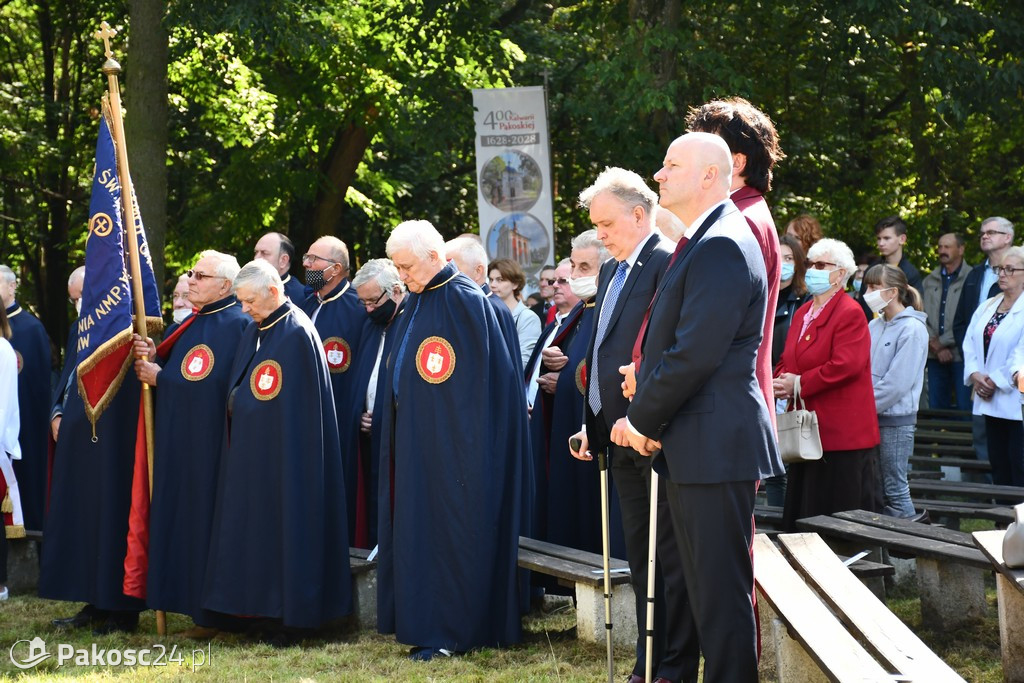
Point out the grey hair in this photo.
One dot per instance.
(1001, 223)
(626, 186)
(224, 265)
(76, 275)
(564, 262)
(419, 237)
(468, 249)
(838, 253)
(588, 238)
(338, 250)
(259, 276)
(7, 274)
(383, 271)
(1016, 253)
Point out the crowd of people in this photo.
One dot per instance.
(423, 408)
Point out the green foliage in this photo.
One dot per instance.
(347, 117)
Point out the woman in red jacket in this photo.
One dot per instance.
(829, 349)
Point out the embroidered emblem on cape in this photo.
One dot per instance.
(21, 361)
(265, 380)
(435, 360)
(197, 363)
(581, 377)
(339, 354)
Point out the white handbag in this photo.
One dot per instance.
(1013, 540)
(799, 439)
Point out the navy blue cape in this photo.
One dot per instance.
(454, 440)
(86, 524)
(189, 410)
(278, 547)
(32, 345)
(340, 323)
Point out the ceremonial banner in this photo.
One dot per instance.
(514, 177)
(105, 323)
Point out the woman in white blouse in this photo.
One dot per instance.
(10, 423)
(507, 279)
(989, 344)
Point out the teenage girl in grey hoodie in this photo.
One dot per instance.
(899, 349)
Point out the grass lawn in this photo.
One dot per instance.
(549, 652)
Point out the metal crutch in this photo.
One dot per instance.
(602, 465)
(652, 545)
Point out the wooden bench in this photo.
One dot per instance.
(985, 494)
(820, 615)
(950, 513)
(1010, 598)
(943, 441)
(950, 571)
(584, 573)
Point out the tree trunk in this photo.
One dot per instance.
(350, 143)
(146, 120)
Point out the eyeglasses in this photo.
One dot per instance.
(1009, 270)
(369, 304)
(992, 233)
(549, 280)
(200, 276)
(821, 265)
(559, 281)
(309, 258)
(179, 297)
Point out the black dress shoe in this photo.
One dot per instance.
(633, 678)
(86, 616)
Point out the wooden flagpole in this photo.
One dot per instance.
(111, 69)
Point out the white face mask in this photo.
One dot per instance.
(78, 306)
(179, 314)
(584, 287)
(875, 301)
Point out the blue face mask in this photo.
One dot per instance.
(817, 281)
(787, 272)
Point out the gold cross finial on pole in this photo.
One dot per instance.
(105, 34)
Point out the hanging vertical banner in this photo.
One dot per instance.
(514, 177)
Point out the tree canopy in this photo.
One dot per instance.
(327, 117)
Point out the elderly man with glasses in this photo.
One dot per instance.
(279, 546)
(189, 371)
(339, 317)
(382, 294)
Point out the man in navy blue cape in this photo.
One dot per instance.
(279, 546)
(383, 296)
(190, 376)
(339, 318)
(454, 439)
(276, 249)
(32, 347)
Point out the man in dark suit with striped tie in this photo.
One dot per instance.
(621, 208)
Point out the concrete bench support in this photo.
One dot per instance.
(590, 614)
(792, 663)
(951, 594)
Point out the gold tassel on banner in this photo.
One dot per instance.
(7, 507)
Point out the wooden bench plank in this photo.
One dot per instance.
(968, 490)
(830, 645)
(897, 542)
(950, 461)
(991, 543)
(882, 630)
(572, 554)
(566, 570)
(924, 434)
(938, 533)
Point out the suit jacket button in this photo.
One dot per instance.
(807, 338)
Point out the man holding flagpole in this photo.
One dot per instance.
(189, 373)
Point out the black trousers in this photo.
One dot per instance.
(676, 647)
(3, 555)
(714, 527)
(1005, 450)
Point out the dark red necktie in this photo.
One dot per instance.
(638, 344)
